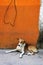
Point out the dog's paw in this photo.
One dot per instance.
(7, 51)
(29, 53)
(20, 56)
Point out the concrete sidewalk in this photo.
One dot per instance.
(13, 58)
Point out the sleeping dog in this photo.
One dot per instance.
(24, 48)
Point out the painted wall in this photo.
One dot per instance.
(20, 21)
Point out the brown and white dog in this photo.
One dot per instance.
(24, 48)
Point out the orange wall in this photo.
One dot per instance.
(26, 24)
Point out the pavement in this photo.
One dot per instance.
(13, 58)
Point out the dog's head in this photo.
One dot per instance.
(21, 42)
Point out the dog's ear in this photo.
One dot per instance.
(24, 42)
(17, 38)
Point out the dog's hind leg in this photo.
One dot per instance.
(8, 51)
(30, 53)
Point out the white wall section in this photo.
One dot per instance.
(41, 17)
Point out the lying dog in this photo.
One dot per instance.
(24, 48)
(20, 47)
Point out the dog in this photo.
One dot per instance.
(20, 47)
(24, 48)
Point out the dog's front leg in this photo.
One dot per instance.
(22, 52)
(8, 51)
(21, 55)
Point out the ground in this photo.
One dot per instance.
(13, 58)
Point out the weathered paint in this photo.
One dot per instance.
(26, 23)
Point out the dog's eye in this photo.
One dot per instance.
(21, 42)
(18, 45)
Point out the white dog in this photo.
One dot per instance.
(24, 48)
(20, 47)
